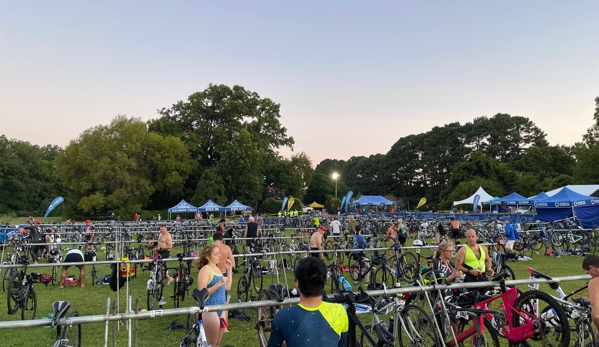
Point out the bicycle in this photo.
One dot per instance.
(579, 310)
(250, 280)
(20, 293)
(404, 266)
(182, 281)
(155, 284)
(266, 315)
(195, 333)
(67, 335)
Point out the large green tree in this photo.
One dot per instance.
(587, 153)
(232, 130)
(119, 166)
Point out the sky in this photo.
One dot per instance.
(352, 77)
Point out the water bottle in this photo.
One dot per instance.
(345, 284)
(391, 324)
(548, 316)
(575, 314)
(425, 268)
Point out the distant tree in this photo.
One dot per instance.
(119, 166)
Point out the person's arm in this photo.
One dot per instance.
(276, 337)
(168, 242)
(231, 258)
(229, 266)
(594, 298)
(459, 260)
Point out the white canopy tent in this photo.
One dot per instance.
(484, 198)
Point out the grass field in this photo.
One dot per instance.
(91, 300)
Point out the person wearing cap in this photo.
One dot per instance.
(90, 232)
(316, 242)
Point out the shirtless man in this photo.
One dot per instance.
(164, 246)
(590, 264)
(316, 242)
(454, 227)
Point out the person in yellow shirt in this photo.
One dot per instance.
(474, 261)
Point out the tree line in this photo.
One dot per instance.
(223, 143)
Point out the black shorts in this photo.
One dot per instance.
(72, 258)
(315, 254)
(336, 237)
(402, 239)
(164, 254)
(470, 279)
(455, 233)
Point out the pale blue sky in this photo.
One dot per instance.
(352, 77)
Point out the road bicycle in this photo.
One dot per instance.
(182, 281)
(195, 329)
(251, 280)
(529, 319)
(265, 315)
(20, 293)
(67, 335)
(155, 284)
(402, 266)
(578, 311)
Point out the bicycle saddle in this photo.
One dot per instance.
(59, 310)
(200, 296)
(538, 274)
(277, 292)
(584, 302)
(180, 256)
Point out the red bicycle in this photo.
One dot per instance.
(528, 319)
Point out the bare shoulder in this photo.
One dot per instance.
(594, 283)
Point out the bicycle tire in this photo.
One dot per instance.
(264, 318)
(176, 292)
(409, 266)
(159, 284)
(94, 274)
(183, 285)
(362, 341)
(243, 289)
(327, 247)
(29, 306)
(335, 273)
(354, 270)
(383, 275)
(490, 337)
(422, 329)
(14, 292)
(6, 278)
(72, 333)
(54, 274)
(556, 330)
(256, 277)
(584, 334)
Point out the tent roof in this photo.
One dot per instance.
(316, 205)
(565, 198)
(211, 206)
(540, 196)
(484, 197)
(373, 200)
(182, 206)
(584, 189)
(237, 206)
(512, 199)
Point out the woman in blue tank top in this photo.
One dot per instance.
(210, 277)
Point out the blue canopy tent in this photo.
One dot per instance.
(237, 206)
(513, 199)
(211, 206)
(373, 200)
(540, 196)
(182, 207)
(561, 205)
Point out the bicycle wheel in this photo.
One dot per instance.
(243, 289)
(14, 291)
(508, 270)
(176, 291)
(537, 246)
(6, 278)
(409, 266)
(150, 299)
(264, 318)
(327, 247)
(354, 270)
(488, 339)
(543, 309)
(383, 275)
(583, 335)
(72, 333)
(557, 240)
(362, 340)
(257, 279)
(418, 328)
(29, 306)
(183, 284)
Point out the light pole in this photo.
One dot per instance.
(335, 177)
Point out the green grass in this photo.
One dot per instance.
(91, 300)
